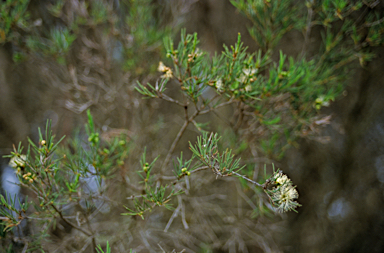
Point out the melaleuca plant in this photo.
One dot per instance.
(67, 181)
(205, 156)
(252, 82)
(296, 90)
(273, 98)
(275, 102)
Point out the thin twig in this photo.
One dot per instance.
(174, 215)
(86, 246)
(200, 168)
(87, 221)
(166, 178)
(25, 248)
(218, 106)
(179, 134)
(93, 233)
(146, 243)
(374, 23)
(175, 141)
(187, 186)
(70, 223)
(183, 212)
(193, 171)
(161, 248)
(244, 177)
(169, 99)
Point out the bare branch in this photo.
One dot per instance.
(244, 177)
(70, 223)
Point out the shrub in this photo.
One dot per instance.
(273, 104)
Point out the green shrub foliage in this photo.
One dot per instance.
(273, 99)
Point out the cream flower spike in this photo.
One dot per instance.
(283, 193)
(162, 67)
(17, 161)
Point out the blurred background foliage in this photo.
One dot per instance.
(60, 58)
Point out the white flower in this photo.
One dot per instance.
(162, 67)
(321, 101)
(219, 85)
(292, 193)
(166, 70)
(283, 194)
(250, 71)
(248, 88)
(247, 73)
(168, 74)
(242, 78)
(284, 198)
(17, 161)
(282, 179)
(198, 52)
